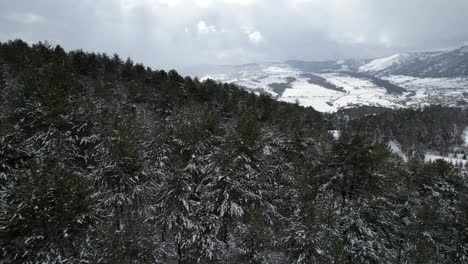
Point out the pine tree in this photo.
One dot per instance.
(48, 207)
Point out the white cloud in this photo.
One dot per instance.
(26, 18)
(171, 32)
(242, 2)
(240, 55)
(385, 40)
(255, 37)
(130, 4)
(210, 3)
(204, 3)
(349, 38)
(204, 28)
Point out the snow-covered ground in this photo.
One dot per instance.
(465, 134)
(410, 82)
(335, 133)
(356, 91)
(311, 95)
(395, 147)
(257, 79)
(383, 63)
(425, 91)
(454, 161)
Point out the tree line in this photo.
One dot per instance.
(106, 161)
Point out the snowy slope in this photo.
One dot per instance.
(446, 64)
(355, 91)
(395, 147)
(454, 161)
(465, 133)
(337, 90)
(398, 81)
(311, 95)
(359, 91)
(383, 63)
(425, 91)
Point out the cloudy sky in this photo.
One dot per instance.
(172, 33)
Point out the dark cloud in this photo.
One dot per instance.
(171, 33)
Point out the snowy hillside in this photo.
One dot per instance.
(291, 85)
(328, 91)
(465, 134)
(446, 64)
(398, 81)
(425, 91)
(383, 63)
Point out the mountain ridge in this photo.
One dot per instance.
(398, 81)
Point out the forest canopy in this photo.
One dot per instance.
(104, 160)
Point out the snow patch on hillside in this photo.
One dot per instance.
(335, 133)
(307, 94)
(356, 92)
(410, 82)
(463, 49)
(454, 161)
(383, 63)
(426, 91)
(295, 87)
(359, 92)
(395, 147)
(465, 136)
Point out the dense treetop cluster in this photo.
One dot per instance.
(434, 128)
(107, 161)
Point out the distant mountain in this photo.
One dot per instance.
(205, 69)
(452, 63)
(398, 81)
(324, 66)
(383, 64)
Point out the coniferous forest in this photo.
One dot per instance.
(103, 160)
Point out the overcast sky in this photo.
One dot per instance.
(172, 33)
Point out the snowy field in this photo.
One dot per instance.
(359, 92)
(356, 91)
(428, 83)
(424, 91)
(311, 95)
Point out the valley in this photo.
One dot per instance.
(334, 85)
